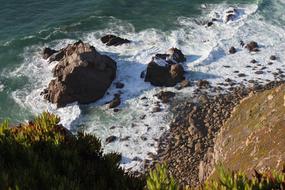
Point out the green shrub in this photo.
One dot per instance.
(239, 181)
(44, 155)
(159, 179)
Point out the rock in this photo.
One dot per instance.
(119, 85)
(253, 61)
(165, 96)
(184, 84)
(172, 56)
(111, 139)
(176, 55)
(56, 56)
(241, 75)
(203, 84)
(252, 46)
(259, 72)
(82, 75)
(273, 57)
(112, 40)
(168, 75)
(209, 24)
(270, 63)
(115, 102)
(47, 52)
(232, 50)
(156, 109)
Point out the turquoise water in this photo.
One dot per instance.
(27, 23)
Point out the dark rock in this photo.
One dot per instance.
(252, 46)
(115, 102)
(47, 52)
(209, 24)
(112, 40)
(270, 63)
(273, 57)
(259, 72)
(253, 61)
(165, 96)
(111, 139)
(82, 75)
(156, 109)
(241, 75)
(119, 85)
(176, 55)
(168, 75)
(58, 56)
(203, 84)
(232, 50)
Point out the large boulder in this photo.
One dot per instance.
(112, 40)
(82, 75)
(164, 75)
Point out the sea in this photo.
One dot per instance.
(153, 26)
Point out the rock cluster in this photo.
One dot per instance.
(82, 75)
(112, 40)
(165, 69)
(187, 148)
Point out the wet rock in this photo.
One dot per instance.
(82, 75)
(111, 139)
(167, 75)
(203, 84)
(252, 46)
(112, 40)
(209, 24)
(119, 85)
(47, 52)
(270, 63)
(115, 102)
(253, 61)
(259, 72)
(58, 56)
(156, 109)
(165, 96)
(241, 75)
(232, 50)
(176, 55)
(273, 57)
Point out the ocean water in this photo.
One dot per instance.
(153, 26)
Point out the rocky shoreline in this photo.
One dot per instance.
(187, 148)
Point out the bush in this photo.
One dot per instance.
(159, 179)
(44, 155)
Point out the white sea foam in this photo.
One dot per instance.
(206, 49)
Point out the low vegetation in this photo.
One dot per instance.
(42, 154)
(159, 179)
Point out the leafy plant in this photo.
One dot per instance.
(159, 179)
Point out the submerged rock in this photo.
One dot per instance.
(82, 75)
(112, 40)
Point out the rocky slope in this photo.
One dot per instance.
(253, 138)
(188, 148)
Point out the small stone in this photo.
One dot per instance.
(110, 139)
(241, 75)
(253, 61)
(232, 50)
(273, 57)
(119, 85)
(156, 109)
(259, 72)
